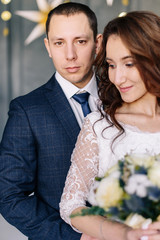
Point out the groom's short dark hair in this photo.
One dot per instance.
(72, 8)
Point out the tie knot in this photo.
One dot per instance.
(81, 98)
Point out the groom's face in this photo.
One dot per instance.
(72, 48)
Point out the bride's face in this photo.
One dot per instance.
(123, 72)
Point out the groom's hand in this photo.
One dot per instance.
(86, 237)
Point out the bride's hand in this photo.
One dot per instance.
(155, 226)
(86, 237)
(140, 234)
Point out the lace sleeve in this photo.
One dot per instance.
(82, 172)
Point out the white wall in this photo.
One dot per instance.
(8, 232)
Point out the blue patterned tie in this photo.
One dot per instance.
(82, 99)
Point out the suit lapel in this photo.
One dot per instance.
(62, 108)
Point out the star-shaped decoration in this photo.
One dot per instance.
(39, 17)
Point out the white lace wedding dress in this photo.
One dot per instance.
(93, 155)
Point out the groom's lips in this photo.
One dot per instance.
(72, 69)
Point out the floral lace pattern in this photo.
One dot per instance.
(93, 155)
(82, 172)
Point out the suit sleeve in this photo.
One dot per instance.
(18, 166)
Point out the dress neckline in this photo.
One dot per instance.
(136, 129)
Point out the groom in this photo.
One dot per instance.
(43, 126)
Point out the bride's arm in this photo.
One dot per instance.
(104, 229)
(86, 237)
(84, 168)
(81, 175)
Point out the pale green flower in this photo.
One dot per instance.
(154, 174)
(144, 160)
(109, 193)
(114, 168)
(137, 221)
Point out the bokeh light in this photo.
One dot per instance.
(125, 2)
(5, 32)
(122, 14)
(5, 1)
(6, 15)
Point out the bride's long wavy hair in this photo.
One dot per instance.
(140, 32)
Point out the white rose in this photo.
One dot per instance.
(140, 159)
(109, 192)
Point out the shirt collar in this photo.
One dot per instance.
(70, 89)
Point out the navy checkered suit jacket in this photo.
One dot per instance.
(35, 152)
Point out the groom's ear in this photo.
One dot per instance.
(46, 43)
(98, 42)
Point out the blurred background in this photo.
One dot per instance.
(24, 62)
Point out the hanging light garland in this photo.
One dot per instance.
(6, 16)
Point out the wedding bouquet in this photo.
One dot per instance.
(129, 191)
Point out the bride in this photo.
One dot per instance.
(128, 121)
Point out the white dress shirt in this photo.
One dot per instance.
(70, 89)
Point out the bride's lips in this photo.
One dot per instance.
(125, 89)
(72, 69)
